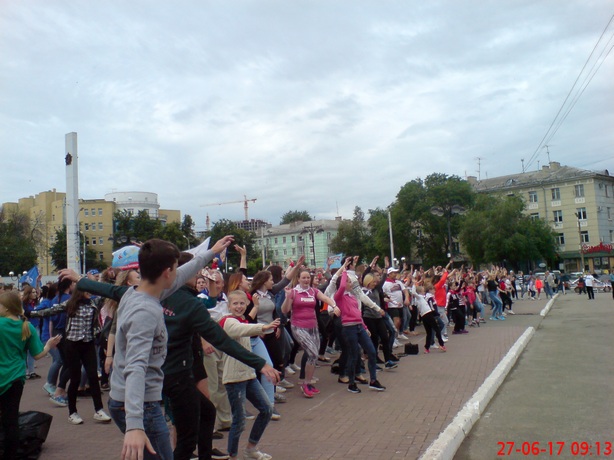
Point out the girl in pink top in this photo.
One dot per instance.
(355, 333)
(301, 300)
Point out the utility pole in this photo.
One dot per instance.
(580, 237)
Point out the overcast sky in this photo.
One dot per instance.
(308, 105)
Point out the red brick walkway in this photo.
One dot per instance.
(424, 394)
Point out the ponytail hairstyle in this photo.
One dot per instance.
(11, 301)
(259, 280)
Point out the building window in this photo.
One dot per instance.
(532, 197)
(534, 216)
(584, 236)
(275, 241)
(86, 226)
(556, 194)
(606, 190)
(293, 251)
(611, 236)
(579, 191)
(93, 211)
(101, 256)
(86, 212)
(100, 241)
(558, 216)
(283, 240)
(560, 239)
(130, 211)
(276, 252)
(87, 241)
(285, 252)
(99, 225)
(100, 211)
(93, 242)
(581, 213)
(293, 238)
(609, 213)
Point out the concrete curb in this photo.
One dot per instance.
(548, 306)
(449, 440)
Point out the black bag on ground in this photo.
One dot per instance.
(411, 349)
(33, 430)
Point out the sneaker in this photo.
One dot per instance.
(313, 389)
(276, 415)
(391, 365)
(394, 358)
(396, 344)
(49, 388)
(105, 387)
(249, 416)
(442, 348)
(279, 389)
(426, 351)
(343, 380)
(331, 351)
(75, 419)
(59, 400)
(294, 367)
(217, 454)
(375, 385)
(445, 338)
(493, 318)
(464, 331)
(511, 312)
(306, 391)
(403, 337)
(434, 346)
(279, 398)
(285, 384)
(378, 369)
(218, 435)
(255, 453)
(290, 371)
(501, 318)
(34, 376)
(101, 416)
(352, 388)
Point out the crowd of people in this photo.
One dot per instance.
(203, 342)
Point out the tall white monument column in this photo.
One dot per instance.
(71, 210)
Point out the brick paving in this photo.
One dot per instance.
(423, 396)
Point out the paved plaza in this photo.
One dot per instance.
(424, 395)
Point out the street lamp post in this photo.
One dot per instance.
(311, 229)
(580, 238)
(448, 211)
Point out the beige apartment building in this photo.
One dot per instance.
(578, 204)
(46, 211)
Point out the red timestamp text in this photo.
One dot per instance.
(555, 448)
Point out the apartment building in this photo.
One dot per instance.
(577, 203)
(297, 238)
(46, 211)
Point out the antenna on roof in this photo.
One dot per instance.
(547, 151)
(522, 161)
(479, 168)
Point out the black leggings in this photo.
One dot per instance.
(81, 354)
(430, 325)
(379, 333)
(9, 411)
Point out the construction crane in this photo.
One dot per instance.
(245, 202)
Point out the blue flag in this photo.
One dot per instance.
(336, 259)
(30, 277)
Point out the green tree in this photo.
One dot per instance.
(242, 237)
(414, 226)
(353, 237)
(187, 228)
(16, 243)
(59, 252)
(496, 231)
(295, 216)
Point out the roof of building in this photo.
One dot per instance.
(552, 173)
(298, 227)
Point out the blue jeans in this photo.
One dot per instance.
(497, 305)
(238, 392)
(356, 336)
(54, 369)
(259, 348)
(154, 424)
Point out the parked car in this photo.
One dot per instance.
(598, 285)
